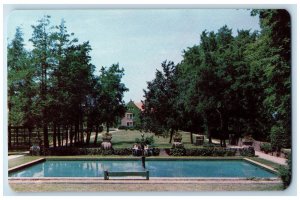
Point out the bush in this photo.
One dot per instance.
(106, 152)
(177, 151)
(122, 127)
(155, 151)
(285, 172)
(247, 151)
(210, 152)
(132, 128)
(148, 140)
(266, 147)
(123, 151)
(278, 137)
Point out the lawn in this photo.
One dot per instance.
(126, 139)
(21, 160)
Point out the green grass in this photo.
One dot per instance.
(21, 160)
(126, 139)
(265, 162)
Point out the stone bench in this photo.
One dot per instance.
(108, 174)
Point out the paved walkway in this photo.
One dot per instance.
(163, 153)
(18, 155)
(279, 160)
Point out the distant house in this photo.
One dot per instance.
(132, 115)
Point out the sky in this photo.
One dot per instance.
(138, 39)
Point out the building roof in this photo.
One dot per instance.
(139, 105)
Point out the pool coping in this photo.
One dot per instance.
(268, 168)
(22, 166)
(156, 180)
(168, 179)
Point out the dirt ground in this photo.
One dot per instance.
(145, 186)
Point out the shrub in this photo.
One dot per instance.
(155, 151)
(278, 137)
(132, 128)
(122, 127)
(123, 151)
(247, 151)
(210, 152)
(219, 152)
(107, 152)
(230, 152)
(177, 151)
(285, 172)
(266, 147)
(148, 140)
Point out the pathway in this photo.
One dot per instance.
(18, 155)
(278, 160)
(163, 153)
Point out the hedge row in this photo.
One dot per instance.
(69, 151)
(249, 151)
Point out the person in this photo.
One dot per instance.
(135, 150)
(146, 150)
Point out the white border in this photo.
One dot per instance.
(163, 4)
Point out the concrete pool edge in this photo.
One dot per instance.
(268, 168)
(28, 164)
(80, 180)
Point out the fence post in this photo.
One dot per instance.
(9, 136)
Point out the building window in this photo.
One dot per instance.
(129, 124)
(129, 116)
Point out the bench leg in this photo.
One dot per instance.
(147, 175)
(105, 175)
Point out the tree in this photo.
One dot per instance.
(43, 61)
(111, 94)
(160, 112)
(274, 64)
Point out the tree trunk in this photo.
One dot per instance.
(81, 132)
(76, 133)
(71, 135)
(24, 135)
(107, 127)
(58, 135)
(54, 135)
(209, 133)
(30, 135)
(191, 135)
(96, 134)
(88, 135)
(67, 135)
(45, 132)
(171, 135)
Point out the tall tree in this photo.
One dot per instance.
(112, 92)
(21, 88)
(43, 60)
(160, 105)
(274, 63)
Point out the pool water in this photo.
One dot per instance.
(157, 168)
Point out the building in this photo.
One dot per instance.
(132, 115)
